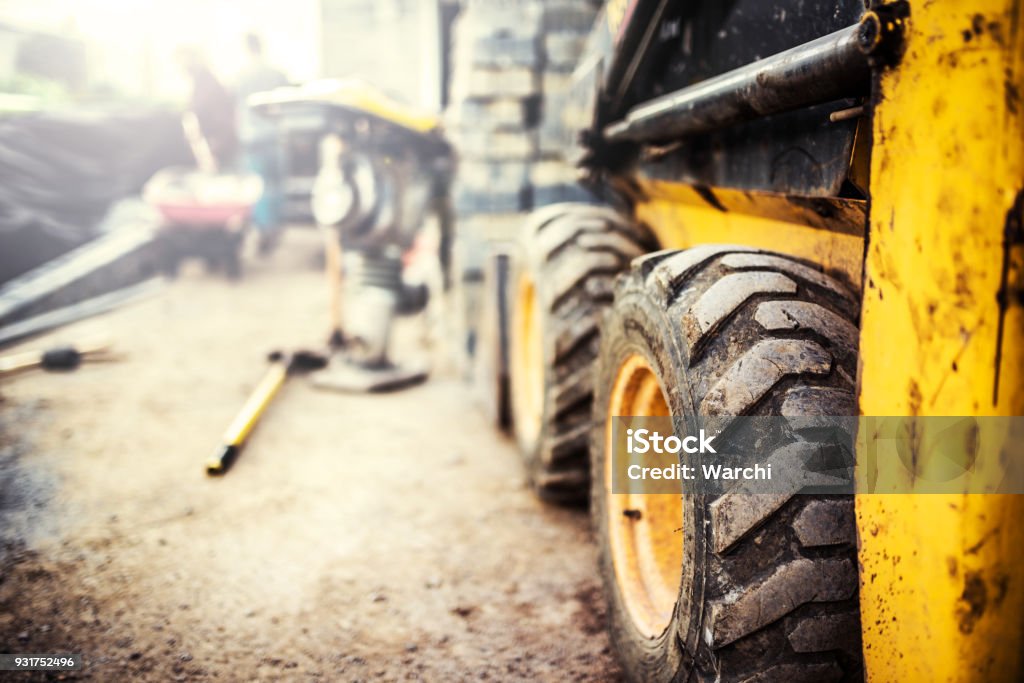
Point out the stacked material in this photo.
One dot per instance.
(495, 98)
(565, 25)
(512, 62)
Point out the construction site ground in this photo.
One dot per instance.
(359, 537)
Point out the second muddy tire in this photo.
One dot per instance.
(732, 587)
(562, 283)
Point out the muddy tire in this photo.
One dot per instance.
(730, 587)
(562, 283)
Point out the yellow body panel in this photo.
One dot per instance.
(355, 95)
(941, 580)
(682, 217)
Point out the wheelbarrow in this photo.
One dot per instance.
(205, 215)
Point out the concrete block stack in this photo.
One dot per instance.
(512, 62)
(495, 99)
(565, 25)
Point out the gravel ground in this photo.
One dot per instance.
(386, 537)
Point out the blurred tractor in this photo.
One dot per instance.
(382, 167)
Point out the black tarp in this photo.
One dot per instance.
(60, 172)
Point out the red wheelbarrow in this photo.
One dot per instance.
(205, 215)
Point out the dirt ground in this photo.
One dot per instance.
(386, 537)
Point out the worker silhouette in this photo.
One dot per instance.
(213, 109)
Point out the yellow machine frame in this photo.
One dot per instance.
(356, 95)
(938, 253)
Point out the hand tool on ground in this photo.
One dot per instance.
(55, 358)
(282, 366)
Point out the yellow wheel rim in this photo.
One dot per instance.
(527, 362)
(644, 533)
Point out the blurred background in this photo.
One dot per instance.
(91, 93)
(160, 225)
(94, 89)
(120, 48)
